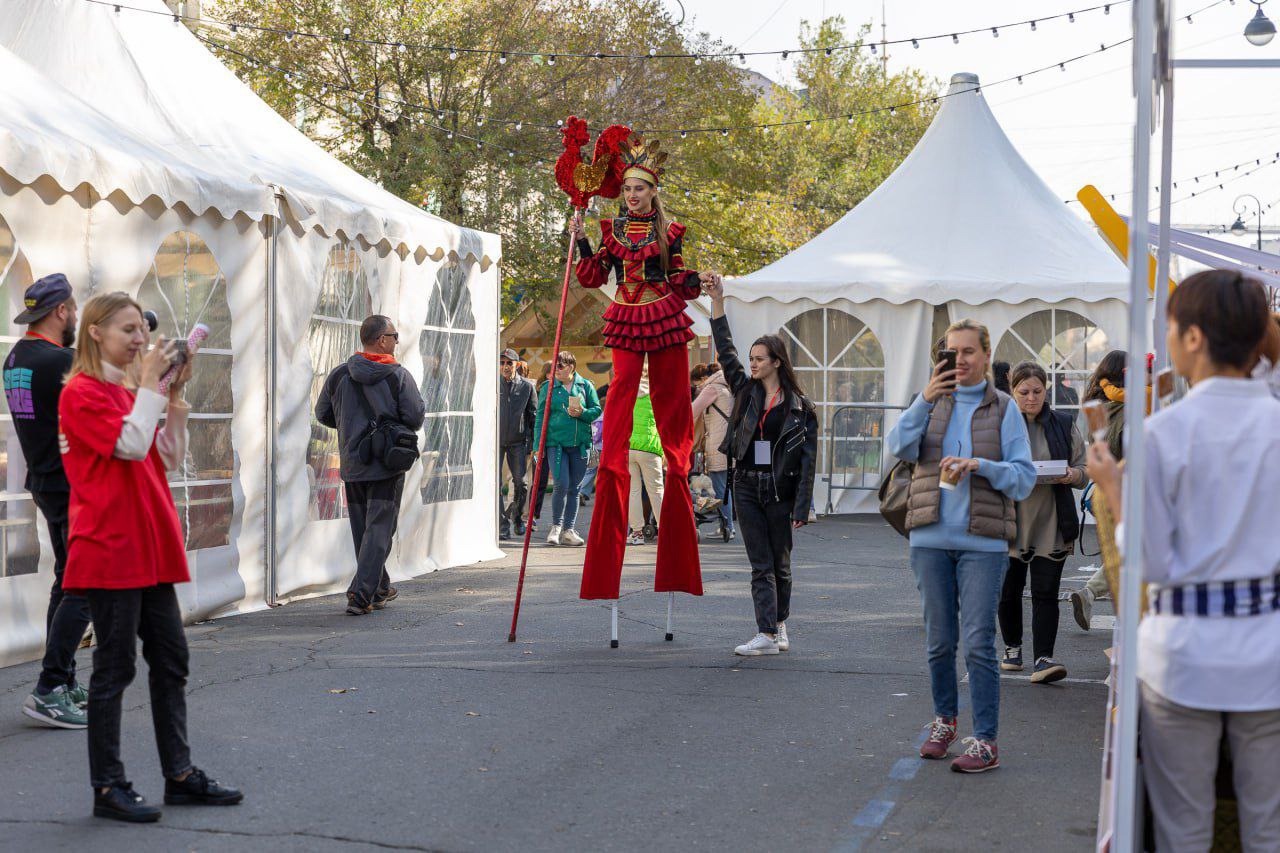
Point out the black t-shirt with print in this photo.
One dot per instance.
(33, 377)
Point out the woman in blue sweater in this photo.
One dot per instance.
(973, 464)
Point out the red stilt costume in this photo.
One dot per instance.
(646, 320)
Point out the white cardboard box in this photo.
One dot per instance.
(1050, 469)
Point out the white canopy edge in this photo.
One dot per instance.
(161, 116)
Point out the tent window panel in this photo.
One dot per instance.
(184, 287)
(209, 389)
(19, 540)
(333, 336)
(854, 386)
(842, 329)
(1066, 344)
(447, 346)
(806, 338)
(446, 465)
(209, 453)
(204, 511)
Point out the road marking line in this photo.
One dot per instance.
(904, 770)
(873, 814)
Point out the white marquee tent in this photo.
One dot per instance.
(131, 159)
(963, 228)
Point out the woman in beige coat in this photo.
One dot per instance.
(713, 405)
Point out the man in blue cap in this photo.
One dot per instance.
(33, 375)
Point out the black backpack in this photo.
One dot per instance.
(386, 439)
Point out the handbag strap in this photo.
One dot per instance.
(366, 401)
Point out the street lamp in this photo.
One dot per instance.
(1260, 30)
(1238, 227)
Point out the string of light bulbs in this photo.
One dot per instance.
(550, 56)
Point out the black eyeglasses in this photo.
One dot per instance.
(395, 335)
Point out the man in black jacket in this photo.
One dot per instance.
(517, 410)
(33, 375)
(370, 383)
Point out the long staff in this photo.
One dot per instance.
(542, 439)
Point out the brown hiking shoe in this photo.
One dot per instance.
(942, 732)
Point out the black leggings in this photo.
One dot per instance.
(1046, 576)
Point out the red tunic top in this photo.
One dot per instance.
(124, 526)
(647, 313)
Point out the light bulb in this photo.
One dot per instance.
(995, 32)
(915, 43)
(955, 38)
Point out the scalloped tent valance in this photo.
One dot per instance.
(964, 218)
(135, 104)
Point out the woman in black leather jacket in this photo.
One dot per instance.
(772, 444)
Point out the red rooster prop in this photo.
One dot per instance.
(581, 181)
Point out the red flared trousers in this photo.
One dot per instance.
(678, 569)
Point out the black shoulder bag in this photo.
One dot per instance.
(386, 439)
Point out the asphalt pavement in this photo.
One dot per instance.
(421, 728)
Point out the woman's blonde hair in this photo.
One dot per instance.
(984, 339)
(96, 312)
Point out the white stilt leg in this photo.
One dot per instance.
(613, 640)
(671, 601)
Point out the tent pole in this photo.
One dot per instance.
(542, 446)
(1128, 832)
(270, 546)
(671, 603)
(1163, 284)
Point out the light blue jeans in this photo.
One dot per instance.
(961, 590)
(720, 485)
(568, 466)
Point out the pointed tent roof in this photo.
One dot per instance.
(964, 217)
(155, 80)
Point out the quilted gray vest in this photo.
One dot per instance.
(991, 514)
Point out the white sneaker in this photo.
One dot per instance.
(1082, 607)
(553, 537)
(760, 644)
(784, 642)
(571, 537)
(635, 537)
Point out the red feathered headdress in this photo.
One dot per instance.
(603, 175)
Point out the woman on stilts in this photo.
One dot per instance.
(647, 320)
(772, 443)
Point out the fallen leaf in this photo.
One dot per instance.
(527, 652)
(823, 597)
(483, 769)
(458, 624)
(472, 714)
(344, 690)
(371, 711)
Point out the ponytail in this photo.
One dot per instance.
(660, 227)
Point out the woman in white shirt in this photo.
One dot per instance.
(1209, 645)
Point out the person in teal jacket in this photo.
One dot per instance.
(574, 405)
(644, 462)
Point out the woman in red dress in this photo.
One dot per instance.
(646, 320)
(125, 549)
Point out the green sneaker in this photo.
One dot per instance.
(80, 695)
(56, 709)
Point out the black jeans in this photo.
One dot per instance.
(1046, 576)
(374, 509)
(68, 615)
(540, 492)
(120, 617)
(517, 457)
(765, 524)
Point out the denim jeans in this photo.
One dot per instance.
(569, 466)
(961, 590)
(720, 485)
(120, 617)
(68, 615)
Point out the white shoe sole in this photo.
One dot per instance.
(755, 652)
(51, 723)
(1048, 676)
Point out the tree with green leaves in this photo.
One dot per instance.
(397, 89)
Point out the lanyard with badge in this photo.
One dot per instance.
(763, 449)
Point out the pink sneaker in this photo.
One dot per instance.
(942, 732)
(979, 756)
